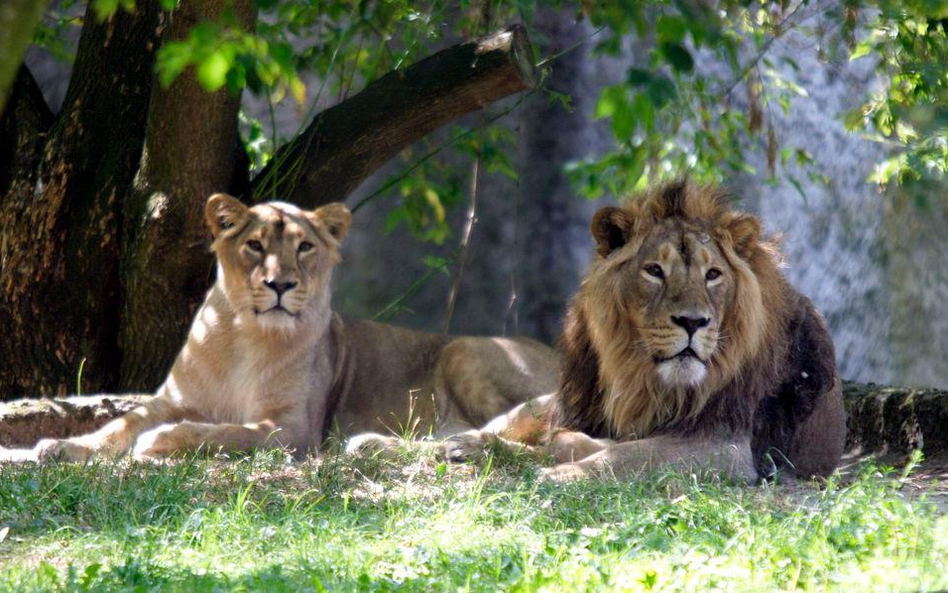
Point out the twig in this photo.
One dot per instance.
(465, 242)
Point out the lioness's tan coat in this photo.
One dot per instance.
(267, 362)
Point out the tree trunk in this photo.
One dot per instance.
(556, 223)
(189, 154)
(18, 18)
(60, 250)
(23, 126)
(348, 142)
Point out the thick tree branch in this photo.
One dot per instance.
(348, 142)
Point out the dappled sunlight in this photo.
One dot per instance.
(262, 521)
(513, 356)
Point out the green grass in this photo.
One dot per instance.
(262, 522)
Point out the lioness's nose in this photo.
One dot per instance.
(691, 324)
(280, 287)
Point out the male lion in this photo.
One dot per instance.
(685, 346)
(267, 362)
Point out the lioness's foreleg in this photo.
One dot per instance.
(186, 436)
(621, 460)
(116, 437)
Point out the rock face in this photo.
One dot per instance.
(873, 263)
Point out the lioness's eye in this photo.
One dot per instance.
(305, 246)
(712, 274)
(255, 246)
(654, 270)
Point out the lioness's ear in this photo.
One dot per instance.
(611, 227)
(745, 231)
(335, 217)
(223, 212)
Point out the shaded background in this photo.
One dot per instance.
(875, 264)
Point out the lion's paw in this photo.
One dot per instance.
(564, 472)
(62, 449)
(465, 446)
(371, 443)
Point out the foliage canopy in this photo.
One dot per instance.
(697, 93)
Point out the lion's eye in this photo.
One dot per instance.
(654, 270)
(712, 274)
(305, 246)
(255, 246)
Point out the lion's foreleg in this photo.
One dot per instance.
(116, 437)
(567, 445)
(731, 457)
(520, 429)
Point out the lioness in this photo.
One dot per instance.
(685, 346)
(267, 362)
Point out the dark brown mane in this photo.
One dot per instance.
(775, 374)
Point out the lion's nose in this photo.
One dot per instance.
(280, 287)
(691, 324)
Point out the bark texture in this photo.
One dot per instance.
(555, 223)
(190, 147)
(23, 127)
(346, 143)
(61, 235)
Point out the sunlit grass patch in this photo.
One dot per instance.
(266, 522)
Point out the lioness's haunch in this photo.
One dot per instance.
(685, 345)
(267, 362)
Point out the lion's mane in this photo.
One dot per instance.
(608, 386)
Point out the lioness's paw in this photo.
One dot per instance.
(465, 446)
(159, 443)
(371, 443)
(62, 449)
(564, 472)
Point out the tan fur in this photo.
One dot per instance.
(626, 339)
(267, 362)
(686, 343)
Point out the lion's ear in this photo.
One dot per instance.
(611, 227)
(223, 212)
(335, 217)
(745, 232)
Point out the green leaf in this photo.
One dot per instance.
(670, 28)
(610, 99)
(638, 76)
(104, 9)
(212, 71)
(661, 91)
(679, 57)
(862, 49)
(623, 121)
